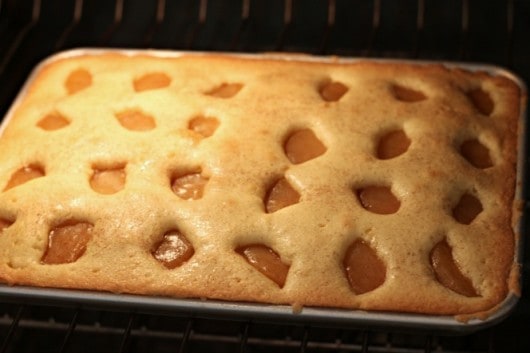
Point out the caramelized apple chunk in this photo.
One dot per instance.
(4, 223)
(78, 80)
(25, 174)
(447, 272)
(393, 144)
(467, 209)
(266, 261)
(150, 81)
(189, 186)
(378, 199)
(406, 94)
(481, 101)
(303, 145)
(281, 195)
(53, 121)
(204, 126)
(67, 242)
(332, 91)
(225, 90)
(173, 250)
(108, 180)
(135, 120)
(476, 153)
(364, 269)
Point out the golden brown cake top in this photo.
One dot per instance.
(373, 185)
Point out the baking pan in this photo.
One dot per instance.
(306, 315)
(255, 312)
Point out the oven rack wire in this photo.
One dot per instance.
(495, 32)
(80, 330)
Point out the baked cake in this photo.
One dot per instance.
(365, 185)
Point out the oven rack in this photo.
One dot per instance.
(494, 32)
(39, 328)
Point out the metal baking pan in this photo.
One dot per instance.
(283, 313)
(255, 312)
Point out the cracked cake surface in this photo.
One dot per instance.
(370, 185)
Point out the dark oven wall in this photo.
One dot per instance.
(494, 32)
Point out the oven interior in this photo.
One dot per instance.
(494, 32)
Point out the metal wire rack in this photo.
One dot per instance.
(455, 30)
(38, 329)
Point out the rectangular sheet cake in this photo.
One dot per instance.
(349, 184)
